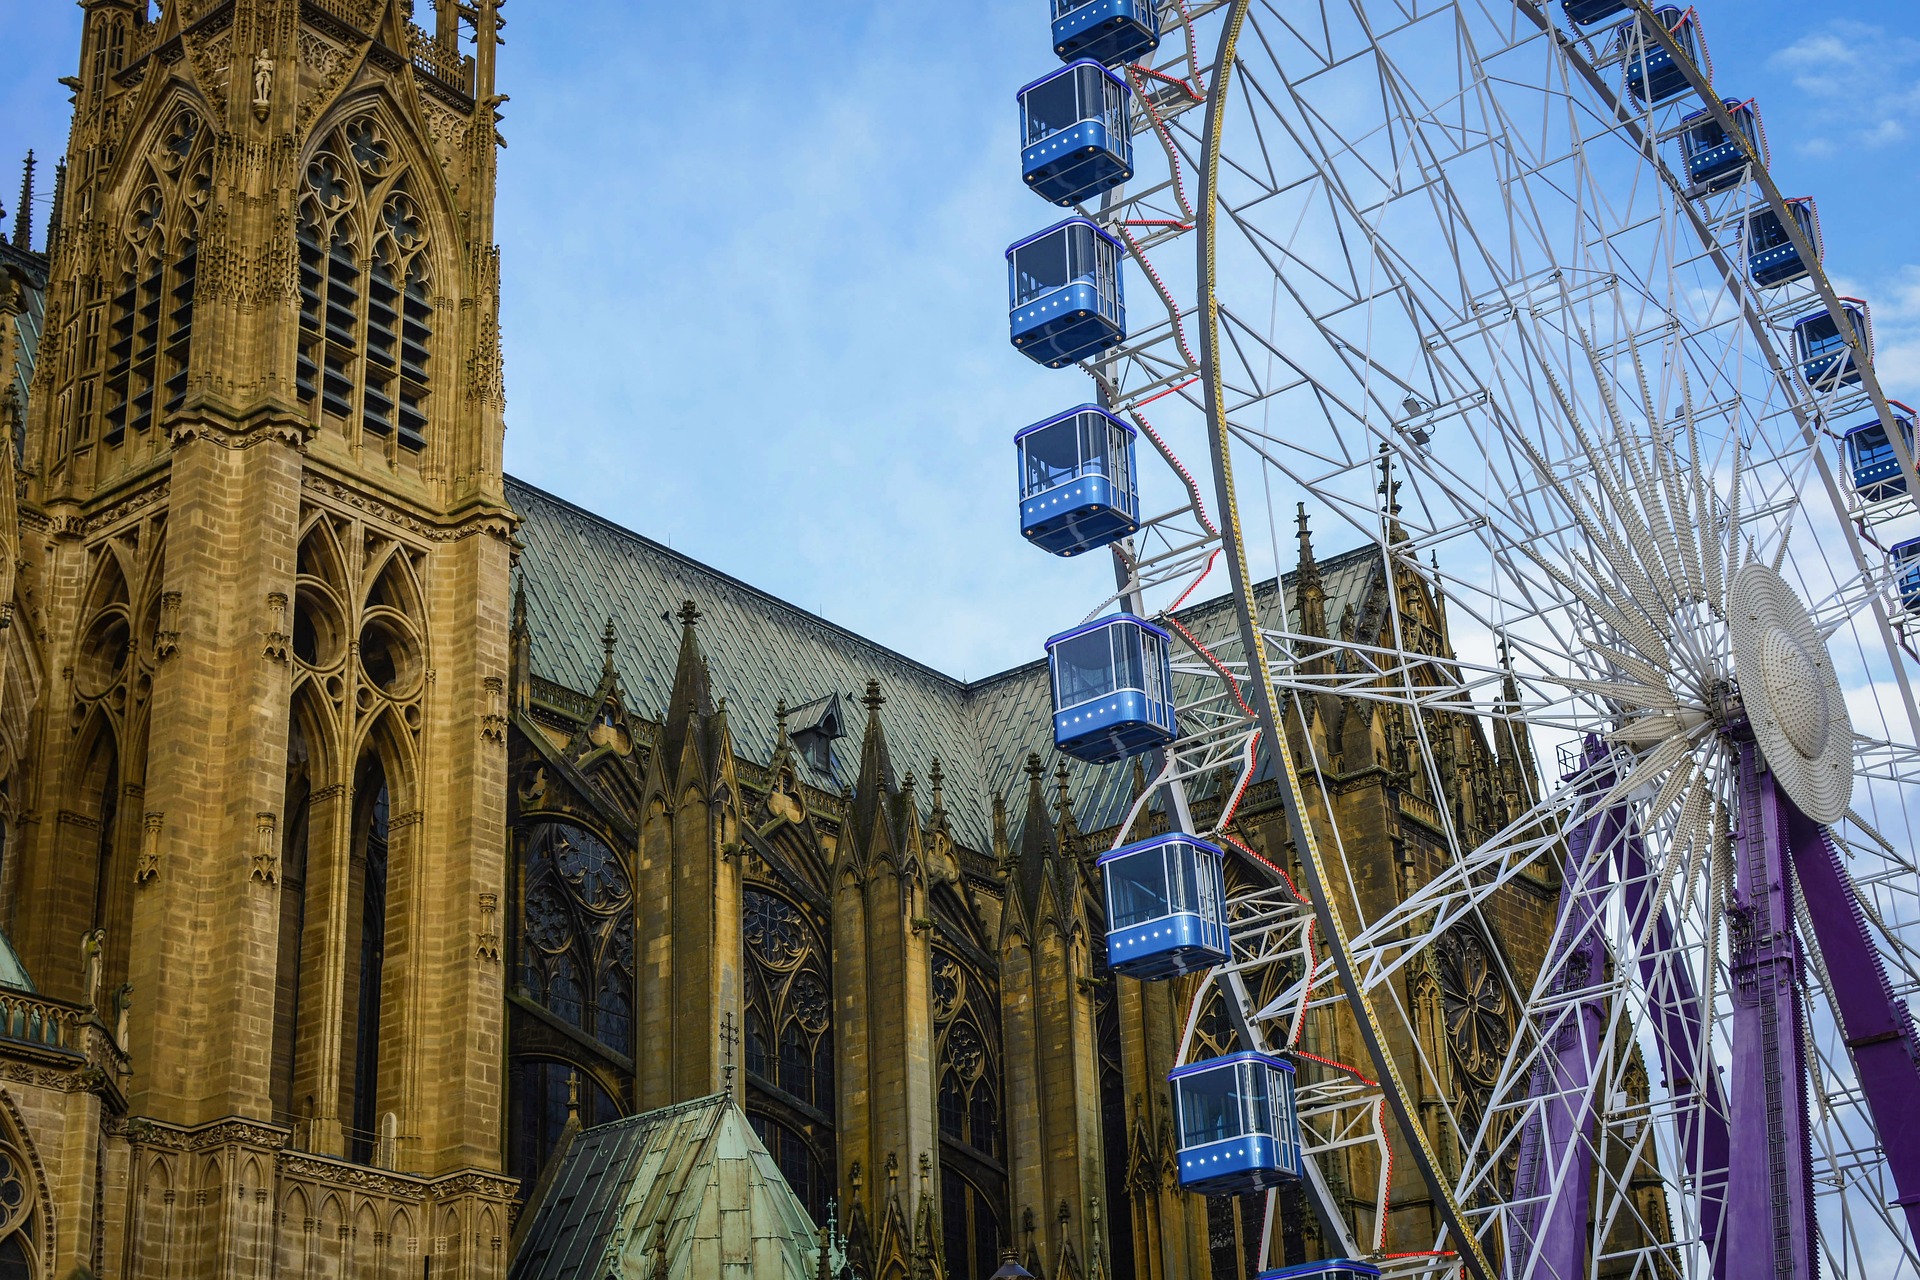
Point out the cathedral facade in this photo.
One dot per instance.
(373, 822)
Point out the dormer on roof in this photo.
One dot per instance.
(814, 727)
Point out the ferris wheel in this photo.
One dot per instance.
(1503, 294)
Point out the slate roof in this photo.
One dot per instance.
(695, 1167)
(578, 569)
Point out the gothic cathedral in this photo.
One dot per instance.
(374, 825)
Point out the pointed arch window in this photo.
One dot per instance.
(366, 310)
(965, 1015)
(966, 1021)
(371, 802)
(789, 1001)
(539, 1096)
(971, 1226)
(576, 952)
(22, 1249)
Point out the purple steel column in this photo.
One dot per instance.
(1677, 1017)
(1770, 1194)
(1878, 1028)
(1551, 1239)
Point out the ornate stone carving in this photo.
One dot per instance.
(278, 641)
(266, 848)
(148, 867)
(498, 526)
(493, 719)
(166, 637)
(487, 946)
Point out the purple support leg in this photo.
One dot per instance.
(1770, 1218)
(1678, 1019)
(1879, 1031)
(1551, 1229)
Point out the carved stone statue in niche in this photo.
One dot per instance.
(92, 944)
(262, 82)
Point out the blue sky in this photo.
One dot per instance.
(755, 299)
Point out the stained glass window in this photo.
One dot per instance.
(789, 1041)
(576, 952)
(538, 1100)
(964, 1014)
(790, 1004)
(969, 1225)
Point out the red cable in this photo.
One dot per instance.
(1197, 581)
(1341, 1067)
(1186, 476)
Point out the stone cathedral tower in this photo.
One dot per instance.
(265, 559)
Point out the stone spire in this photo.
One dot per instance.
(1520, 776)
(691, 700)
(1309, 594)
(59, 200)
(520, 651)
(936, 779)
(875, 784)
(23, 213)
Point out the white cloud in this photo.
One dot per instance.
(1862, 86)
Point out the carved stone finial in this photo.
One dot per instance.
(689, 613)
(874, 699)
(1033, 765)
(607, 639)
(573, 1096)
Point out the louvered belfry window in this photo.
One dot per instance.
(150, 307)
(366, 310)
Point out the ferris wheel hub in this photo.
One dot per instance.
(1795, 692)
(1792, 693)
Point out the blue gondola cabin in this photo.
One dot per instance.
(1588, 12)
(1906, 564)
(1331, 1269)
(1772, 259)
(1073, 132)
(1166, 906)
(1715, 159)
(1238, 1127)
(1077, 490)
(1108, 31)
(1654, 75)
(1065, 293)
(1112, 689)
(1871, 461)
(1825, 359)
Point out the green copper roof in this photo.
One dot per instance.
(578, 569)
(692, 1176)
(12, 973)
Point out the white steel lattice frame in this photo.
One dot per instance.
(1576, 329)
